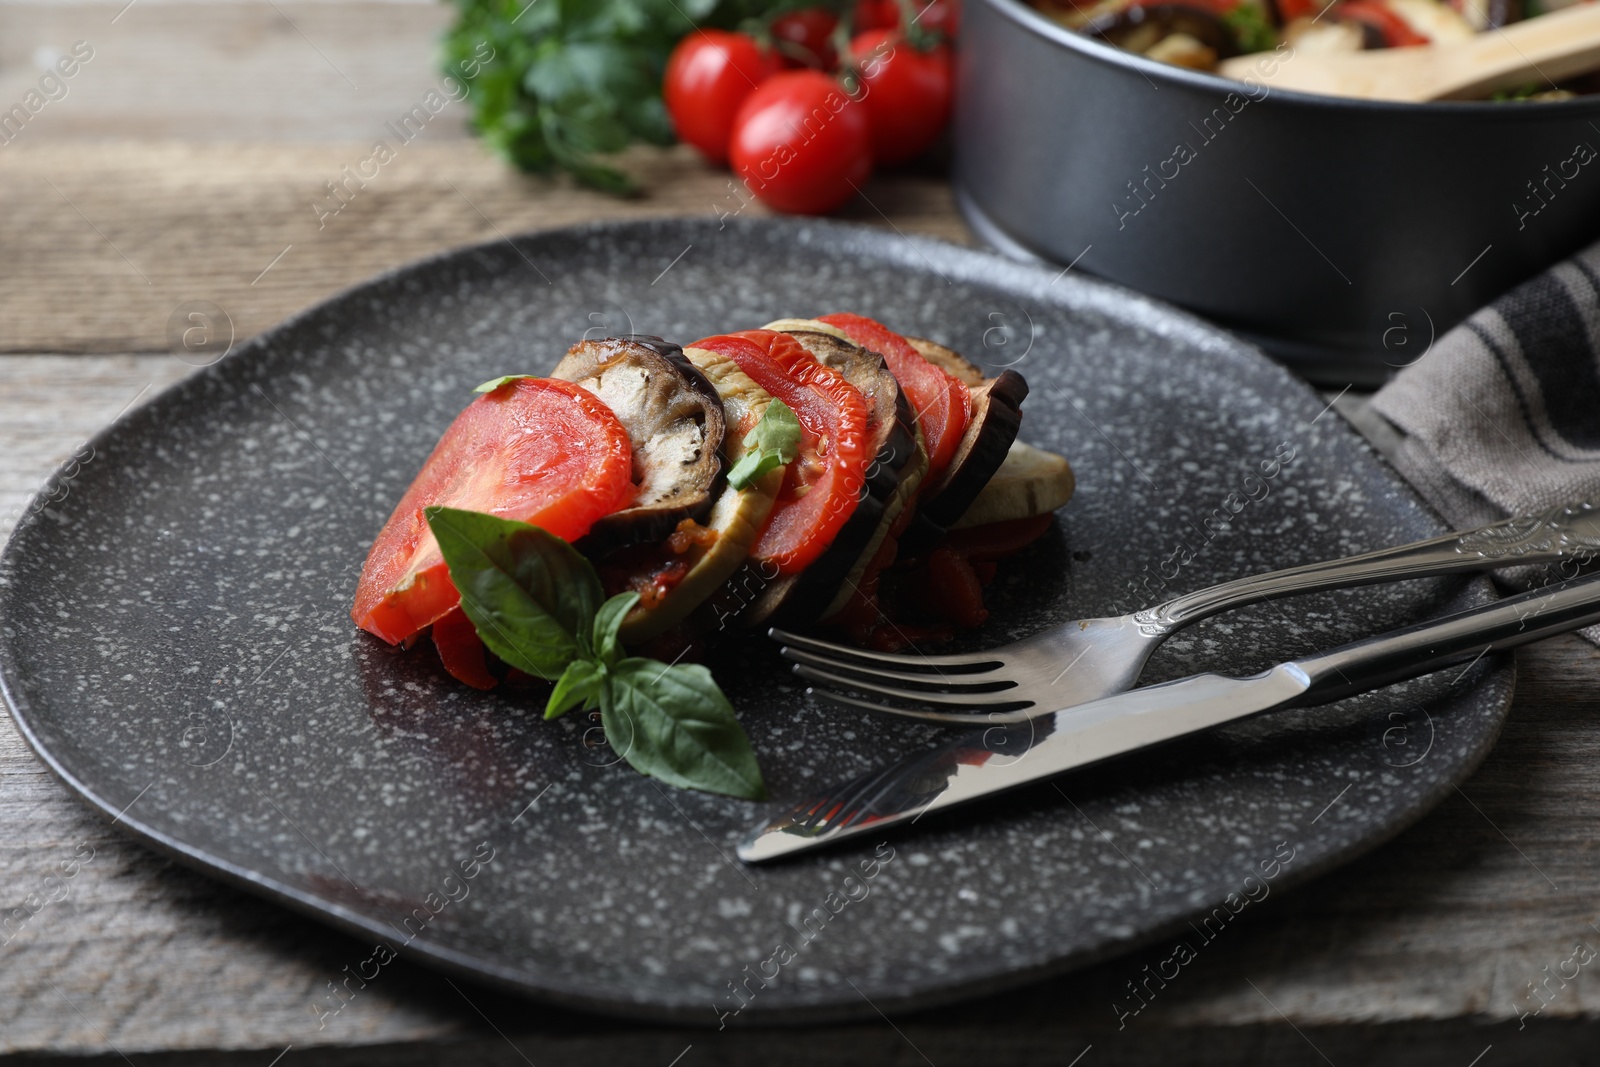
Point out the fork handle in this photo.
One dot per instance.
(1468, 635)
(1560, 534)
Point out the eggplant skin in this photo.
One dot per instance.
(1030, 482)
(737, 515)
(675, 423)
(996, 419)
(823, 587)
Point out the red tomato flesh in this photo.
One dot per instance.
(536, 450)
(942, 404)
(822, 486)
(1396, 31)
(461, 651)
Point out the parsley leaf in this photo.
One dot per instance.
(772, 442)
(537, 604)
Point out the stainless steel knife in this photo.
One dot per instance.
(1002, 757)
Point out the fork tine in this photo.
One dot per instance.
(965, 664)
(938, 700)
(968, 718)
(959, 683)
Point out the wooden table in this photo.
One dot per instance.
(181, 166)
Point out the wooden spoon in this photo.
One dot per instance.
(1542, 50)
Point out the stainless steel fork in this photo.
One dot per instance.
(1094, 658)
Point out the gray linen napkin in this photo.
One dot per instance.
(1502, 416)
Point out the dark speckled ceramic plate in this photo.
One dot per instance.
(176, 645)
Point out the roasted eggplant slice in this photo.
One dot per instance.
(674, 420)
(899, 463)
(996, 418)
(1030, 482)
(678, 574)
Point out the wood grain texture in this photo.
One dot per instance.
(246, 71)
(1418, 953)
(104, 240)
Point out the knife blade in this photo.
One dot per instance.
(984, 762)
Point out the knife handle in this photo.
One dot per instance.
(1427, 647)
(1557, 535)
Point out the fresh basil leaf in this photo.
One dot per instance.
(604, 645)
(752, 466)
(772, 442)
(531, 596)
(777, 431)
(495, 383)
(580, 683)
(673, 723)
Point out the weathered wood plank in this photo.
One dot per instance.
(246, 71)
(1419, 953)
(105, 240)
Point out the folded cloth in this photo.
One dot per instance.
(1502, 416)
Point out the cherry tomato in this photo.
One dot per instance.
(943, 404)
(936, 16)
(537, 450)
(709, 74)
(801, 144)
(823, 485)
(942, 17)
(875, 15)
(906, 92)
(808, 33)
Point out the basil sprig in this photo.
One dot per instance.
(773, 442)
(538, 604)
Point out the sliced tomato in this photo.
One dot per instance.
(460, 650)
(537, 450)
(1396, 31)
(997, 540)
(1289, 10)
(954, 588)
(821, 488)
(942, 404)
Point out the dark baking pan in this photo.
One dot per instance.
(1343, 235)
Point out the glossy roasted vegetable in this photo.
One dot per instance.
(895, 474)
(1030, 482)
(674, 420)
(674, 576)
